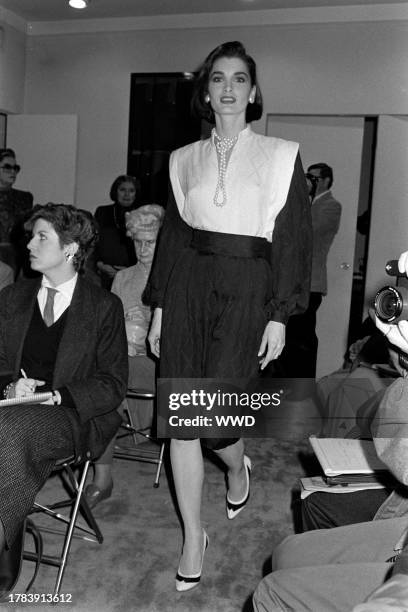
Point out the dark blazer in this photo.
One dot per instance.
(113, 247)
(92, 360)
(326, 213)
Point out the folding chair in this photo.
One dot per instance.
(137, 452)
(77, 502)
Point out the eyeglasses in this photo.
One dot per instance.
(312, 177)
(10, 168)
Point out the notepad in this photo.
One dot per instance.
(35, 398)
(312, 484)
(349, 460)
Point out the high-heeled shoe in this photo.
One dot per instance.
(186, 583)
(235, 507)
(94, 495)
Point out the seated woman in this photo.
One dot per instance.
(114, 250)
(142, 226)
(60, 334)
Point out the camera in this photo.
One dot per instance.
(391, 303)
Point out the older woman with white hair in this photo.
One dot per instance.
(142, 225)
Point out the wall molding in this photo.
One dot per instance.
(335, 14)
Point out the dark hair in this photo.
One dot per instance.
(6, 153)
(200, 107)
(325, 171)
(71, 224)
(124, 178)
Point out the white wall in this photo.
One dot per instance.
(12, 68)
(389, 216)
(47, 150)
(357, 68)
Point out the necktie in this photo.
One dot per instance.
(48, 315)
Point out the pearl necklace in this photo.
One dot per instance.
(223, 145)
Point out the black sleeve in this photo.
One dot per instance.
(174, 236)
(291, 251)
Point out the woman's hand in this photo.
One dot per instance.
(396, 333)
(25, 386)
(155, 331)
(273, 341)
(403, 263)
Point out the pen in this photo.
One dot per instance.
(23, 373)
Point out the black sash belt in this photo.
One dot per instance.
(230, 245)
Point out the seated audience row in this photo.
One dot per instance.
(142, 226)
(339, 569)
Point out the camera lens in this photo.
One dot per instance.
(389, 304)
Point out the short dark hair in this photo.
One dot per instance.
(6, 153)
(200, 107)
(124, 178)
(325, 171)
(71, 224)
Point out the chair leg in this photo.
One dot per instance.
(130, 419)
(88, 515)
(159, 466)
(68, 539)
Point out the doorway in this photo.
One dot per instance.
(160, 120)
(337, 141)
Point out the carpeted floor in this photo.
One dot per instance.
(134, 568)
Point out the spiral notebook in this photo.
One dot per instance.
(35, 398)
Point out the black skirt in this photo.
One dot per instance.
(214, 311)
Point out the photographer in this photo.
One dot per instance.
(397, 333)
(337, 569)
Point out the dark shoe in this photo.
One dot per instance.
(94, 494)
(10, 564)
(235, 507)
(186, 583)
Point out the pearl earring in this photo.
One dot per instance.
(207, 98)
(251, 100)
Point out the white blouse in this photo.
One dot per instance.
(258, 177)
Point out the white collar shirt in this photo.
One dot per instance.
(62, 299)
(320, 195)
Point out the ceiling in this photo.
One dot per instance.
(56, 10)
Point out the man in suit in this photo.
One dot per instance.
(61, 334)
(299, 357)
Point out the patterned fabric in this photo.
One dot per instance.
(26, 461)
